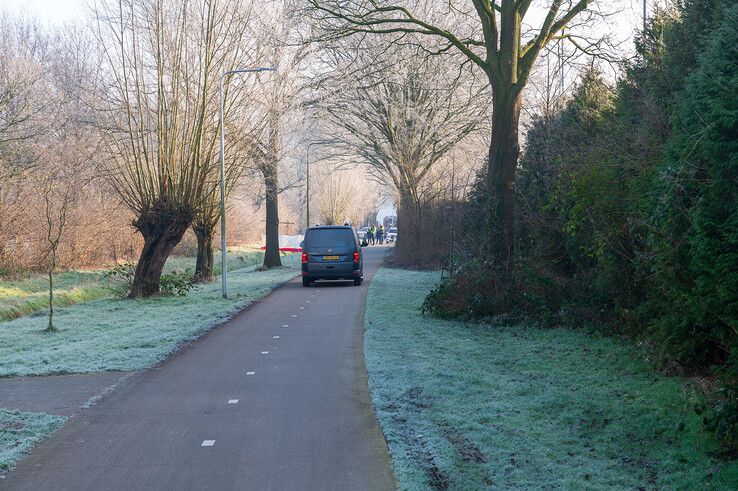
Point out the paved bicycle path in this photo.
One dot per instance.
(277, 398)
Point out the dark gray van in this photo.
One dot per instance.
(332, 253)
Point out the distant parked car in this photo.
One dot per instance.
(362, 233)
(392, 234)
(332, 253)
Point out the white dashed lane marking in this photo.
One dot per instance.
(285, 325)
(208, 443)
(275, 337)
(264, 352)
(294, 315)
(232, 401)
(302, 308)
(250, 373)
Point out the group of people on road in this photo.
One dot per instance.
(375, 235)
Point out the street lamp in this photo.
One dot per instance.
(307, 186)
(224, 260)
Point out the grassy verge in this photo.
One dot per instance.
(116, 334)
(29, 294)
(19, 431)
(475, 406)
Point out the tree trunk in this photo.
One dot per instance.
(204, 265)
(503, 160)
(162, 228)
(51, 299)
(409, 237)
(271, 254)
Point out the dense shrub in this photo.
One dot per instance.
(120, 277)
(177, 283)
(628, 207)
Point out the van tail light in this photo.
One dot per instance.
(356, 256)
(304, 258)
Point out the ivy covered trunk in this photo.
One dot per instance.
(162, 228)
(503, 160)
(271, 254)
(204, 264)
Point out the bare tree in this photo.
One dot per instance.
(337, 196)
(265, 155)
(22, 97)
(402, 113)
(280, 118)
(57, 199)
(492, 35)
(237, 95)
(163, 60)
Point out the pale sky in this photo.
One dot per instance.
(59, 11)
(52, 11)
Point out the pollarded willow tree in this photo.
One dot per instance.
(163, 62)
(238, 51)
(492, 35)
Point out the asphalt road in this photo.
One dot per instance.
(62, 395)
(277, 398)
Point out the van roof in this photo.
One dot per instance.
(323, 227)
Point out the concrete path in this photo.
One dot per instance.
(277, 398)
(62, 395)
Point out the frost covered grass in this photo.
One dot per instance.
(238, 258)
(28, 294)
(19, 431)
(468, 406)
(117, 334)
(19, 297)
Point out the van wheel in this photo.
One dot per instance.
(357, 282)
(306, 282)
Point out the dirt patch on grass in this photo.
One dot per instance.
(418, 450)
(14, 425)
(468, 450)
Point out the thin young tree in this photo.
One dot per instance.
(57, 199)
(491, 35)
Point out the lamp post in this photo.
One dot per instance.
(645, 16)
(307, 186)
(224, 260)
(307, 181)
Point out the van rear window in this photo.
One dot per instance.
(330, 237)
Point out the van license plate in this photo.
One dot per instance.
(330, 258)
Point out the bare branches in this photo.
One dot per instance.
(164, 61)
(499, 23)
(401, 112)
(389, 19)
(57, 198)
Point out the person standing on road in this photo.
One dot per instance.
(380, 234)
(370, 234)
